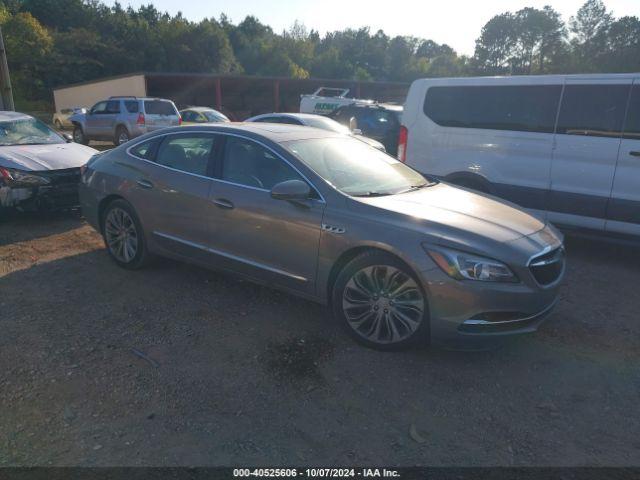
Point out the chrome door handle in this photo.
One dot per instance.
(634, 153)
(223, 203)
(144, 183)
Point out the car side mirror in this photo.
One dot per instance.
(68, 137)
(291, 190)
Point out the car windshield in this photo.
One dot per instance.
(214, 116)
(326, 124)
(27, 131)
(355, 168)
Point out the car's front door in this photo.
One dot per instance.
(275, 241)
(585, 151)
(172, 193)
(92, 119)
(623, 213)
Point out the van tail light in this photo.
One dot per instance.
(403, 136)
(140, 120)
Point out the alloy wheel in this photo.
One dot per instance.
(383, 304)
(121, 235)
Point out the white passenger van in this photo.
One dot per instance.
(566, 146)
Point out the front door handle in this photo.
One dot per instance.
(634, 153)
(223, 203)
(144, 183)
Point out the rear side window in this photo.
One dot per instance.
(131, 106)
(632, 129)
(593, 110)
(187, 153)
(144, 149)
(527, 108)
(159, 107)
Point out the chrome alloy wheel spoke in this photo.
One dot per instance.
(121, 235)
(383, 304)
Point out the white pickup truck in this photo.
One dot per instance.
(325, 100)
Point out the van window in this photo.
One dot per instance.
(632, 129)
(528, 108)
(593, 110)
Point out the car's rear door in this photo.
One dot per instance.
(172, 193)
(586, 144)
(623, 213)
(275, 241)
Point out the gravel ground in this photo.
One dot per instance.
(176, 365)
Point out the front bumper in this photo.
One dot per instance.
(61, 193)
(474, 312)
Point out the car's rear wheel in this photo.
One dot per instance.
(78, 135)
(123, 235)
(122, 136)
(380, 302)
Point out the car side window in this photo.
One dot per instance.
(144, 149)
(632, 127)
(113, 106)
(249, 164)
(131, 106)
(187, 153)
(99, 108)
(593, 110)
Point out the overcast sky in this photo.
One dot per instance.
(455, 22)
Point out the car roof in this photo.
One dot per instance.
(374, 106)
(275, 132)
(200, 109)
(290, 115)
(6, 115)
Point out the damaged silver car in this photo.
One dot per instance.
(39, 168)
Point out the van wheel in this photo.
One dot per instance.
(78, 135)
(122, 136)
(381, 303)
(123, 236)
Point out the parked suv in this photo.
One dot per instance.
(378, 121)
(121, 118)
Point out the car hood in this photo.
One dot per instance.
(456, 210)
(45, 157)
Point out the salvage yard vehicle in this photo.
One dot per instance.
(195, 115)
(119, 119)
(61, 118)
(400, 259)
(316, 121)
(380, 121)
(565, 146)
(39, 168)
(325, 100)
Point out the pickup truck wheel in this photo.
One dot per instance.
(78, 135)
(122, 136)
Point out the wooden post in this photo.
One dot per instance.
(218, 94)
(276, 96)
(6, 93)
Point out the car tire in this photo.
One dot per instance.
(122, 136)
(381, 303)
(78, 135)
(123, 236)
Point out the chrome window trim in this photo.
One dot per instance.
(128, 151)
(231, 256)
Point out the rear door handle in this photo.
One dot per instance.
(223, 203)
(634, 153)
(144, 183)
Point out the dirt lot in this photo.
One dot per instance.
(176, 365)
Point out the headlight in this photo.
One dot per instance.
(18, 178)
(466, 266)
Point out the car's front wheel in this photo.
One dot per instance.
(380, 302)
(78, 135)
(123, 235)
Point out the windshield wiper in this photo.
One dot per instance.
(414, 187)
(370, 194)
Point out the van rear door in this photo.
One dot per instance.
(160, 114)
(586, 144)
(623, 213)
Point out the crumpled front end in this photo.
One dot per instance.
(42, 190)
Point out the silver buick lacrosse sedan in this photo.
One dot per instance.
(399, 259)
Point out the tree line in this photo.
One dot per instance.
(56, 42)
